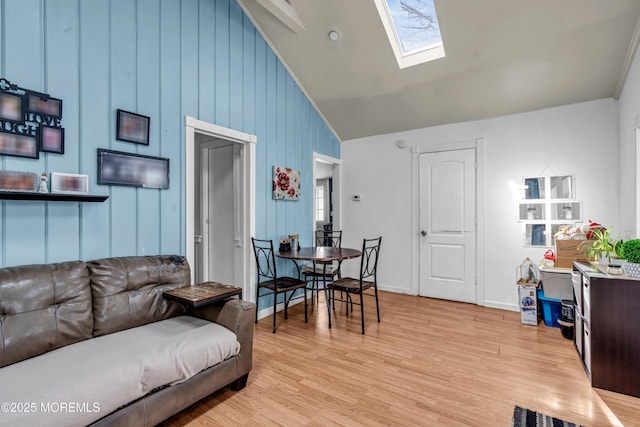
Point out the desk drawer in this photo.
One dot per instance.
(586, 299)
(578, 331)
(576, 281)
(587, 349)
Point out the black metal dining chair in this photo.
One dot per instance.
(268, 278)
(368, 279)
(325, 271)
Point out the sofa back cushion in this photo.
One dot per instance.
(43, 307)
(127, 291)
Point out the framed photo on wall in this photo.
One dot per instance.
(51, 139)
(44, 104)
(25, 182)
(132, 127)
(11, 107)
(134, 170)
(13, 144)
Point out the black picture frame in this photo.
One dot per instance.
(19, 145)
(40, 103)
(51, 139)
(132, 170)
(132, 127)
(12, 107)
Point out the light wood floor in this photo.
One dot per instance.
(428, 363)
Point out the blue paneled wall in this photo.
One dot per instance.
(164, 59)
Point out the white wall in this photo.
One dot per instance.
(629, 119)
(579, 139)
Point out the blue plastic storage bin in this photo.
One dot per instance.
(551, 309)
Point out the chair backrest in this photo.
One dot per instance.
(369, 260)
(265, 259)
(329, 238)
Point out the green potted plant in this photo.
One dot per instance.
(602, 246)
(631, 252)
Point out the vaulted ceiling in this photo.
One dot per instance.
(502, 57)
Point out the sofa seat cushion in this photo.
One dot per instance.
(99, 375)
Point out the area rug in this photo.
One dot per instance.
(525, 418)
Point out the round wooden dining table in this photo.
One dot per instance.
(319, 254)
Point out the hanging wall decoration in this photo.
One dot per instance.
(132, 127)
(286, 183)
(129, 169)
(29, 122)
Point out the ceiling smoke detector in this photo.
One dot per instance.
(334, 35)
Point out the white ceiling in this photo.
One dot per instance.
(502, 57)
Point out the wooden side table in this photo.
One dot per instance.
(203, 293)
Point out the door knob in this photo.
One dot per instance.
(423, 232)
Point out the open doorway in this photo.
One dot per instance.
(220, 205)
(216, 209)
(326, 190)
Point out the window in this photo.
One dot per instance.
(413, 30)
(320, 199)
(547, 204)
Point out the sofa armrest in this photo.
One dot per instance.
(239, 317)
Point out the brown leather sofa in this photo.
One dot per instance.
(50, 308)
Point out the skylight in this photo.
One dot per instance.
(413, 30)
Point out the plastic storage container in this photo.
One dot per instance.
(557, 285)
(551, 309)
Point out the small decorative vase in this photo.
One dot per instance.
(632, 269)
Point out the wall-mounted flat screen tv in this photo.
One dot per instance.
(134, 170)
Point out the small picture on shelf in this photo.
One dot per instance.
(16, 181)
(69, 183)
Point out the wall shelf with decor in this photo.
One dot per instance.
(51, 197)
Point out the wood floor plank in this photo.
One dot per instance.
(429, 362)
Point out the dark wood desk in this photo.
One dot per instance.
(203, 293)
(607, 327)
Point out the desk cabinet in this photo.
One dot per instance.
(607, 328)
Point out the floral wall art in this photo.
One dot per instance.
(286, 183)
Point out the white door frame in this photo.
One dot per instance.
(246, 201)
(478, 145)
(337, 190)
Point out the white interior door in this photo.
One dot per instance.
(448, 225)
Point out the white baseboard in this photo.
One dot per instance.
(501, 305)
(268, 311)
(395, 289)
